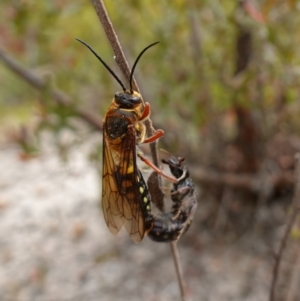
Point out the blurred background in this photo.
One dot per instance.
(224, 86)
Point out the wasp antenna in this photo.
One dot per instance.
(103, 63)
(135, 63)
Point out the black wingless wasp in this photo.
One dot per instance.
(169, 226)
(125, 196)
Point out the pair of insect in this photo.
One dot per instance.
(125, 197)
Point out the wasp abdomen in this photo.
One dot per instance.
(164, 228)
(145, 200)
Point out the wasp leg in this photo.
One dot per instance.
(146, 112)
(158, 134)
(178, 195)
(155, 168)
(184, 175)
(181, 206)
(185, 228)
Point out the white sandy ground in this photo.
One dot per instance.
(54, 244)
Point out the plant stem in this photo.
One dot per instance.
(290, 223)
(179, 272)
(40, 84)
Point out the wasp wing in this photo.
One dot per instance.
(122, 196)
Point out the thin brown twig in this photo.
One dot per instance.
(293, 289)
(290, 223)
(247, 181)
(114, 41)
(179, 272)
(40, 84)
(123, 65)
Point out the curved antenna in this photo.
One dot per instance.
(104, 64)
(135, 63)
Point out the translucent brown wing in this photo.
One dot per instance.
(123, 188)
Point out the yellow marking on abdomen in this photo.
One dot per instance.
(130, 169)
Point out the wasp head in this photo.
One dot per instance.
(127, 100)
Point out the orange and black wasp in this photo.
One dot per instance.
(125, 197)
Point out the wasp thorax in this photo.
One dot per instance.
(128, 100)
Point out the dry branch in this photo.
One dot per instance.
(290, 224)
(179, 272)
(40, 84)
(114, 41)
(293, 290)
(254, 183)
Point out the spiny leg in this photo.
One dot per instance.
(146, 112)
(155, 168)
(158, 134)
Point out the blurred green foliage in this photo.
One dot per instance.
(189, 79)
